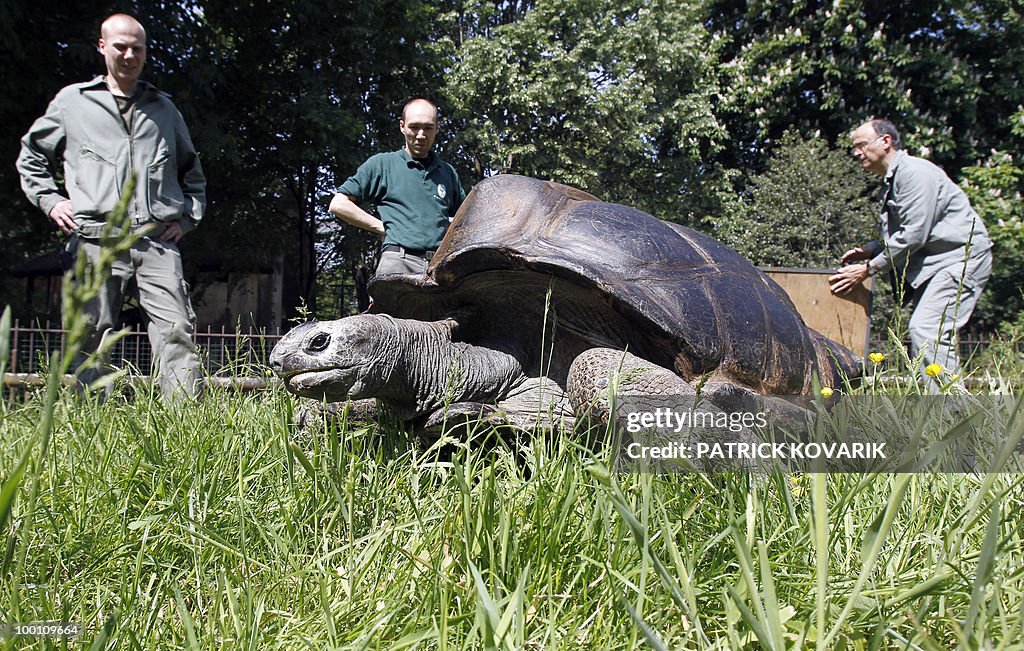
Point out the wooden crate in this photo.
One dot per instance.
(845, 319)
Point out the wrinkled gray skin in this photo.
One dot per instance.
(416, 368)
(412, 366)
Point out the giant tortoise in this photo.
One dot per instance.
(539, 294)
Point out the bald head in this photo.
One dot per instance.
(121, 22)
(123, 45)
(419, 105)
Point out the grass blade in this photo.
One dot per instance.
(983, 573)
(649, 634)
(874, 538)
(820, 531)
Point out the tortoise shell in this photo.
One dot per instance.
(546, 271)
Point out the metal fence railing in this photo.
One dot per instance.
(245, 354)
(971, 347)
(223, 351)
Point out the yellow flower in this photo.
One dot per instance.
(827, 392)
(796, 485)
(877, 358)
(933, 370)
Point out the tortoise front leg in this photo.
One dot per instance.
(599, 375)
(655, 408)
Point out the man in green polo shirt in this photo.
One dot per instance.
(415, 193)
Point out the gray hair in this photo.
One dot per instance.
(884, 127)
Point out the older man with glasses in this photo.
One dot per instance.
(932, 242)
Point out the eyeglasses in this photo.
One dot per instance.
(861, 146)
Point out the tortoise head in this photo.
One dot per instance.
(337, 360)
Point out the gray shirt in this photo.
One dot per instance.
(927, 223)
(84, 135)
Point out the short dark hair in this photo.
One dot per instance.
(884, 127)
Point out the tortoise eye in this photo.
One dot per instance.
(319, 342)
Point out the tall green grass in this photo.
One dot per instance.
(214, 527)
(213, 524)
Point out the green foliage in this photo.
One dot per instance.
(810, 205)
(994, 188)
(608, 96)
(944, 72)
(1003, 358)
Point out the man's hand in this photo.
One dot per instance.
(63, 216)
(847, 278)
(172, 233)
(855, 254)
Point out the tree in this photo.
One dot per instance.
(809, 206)
(604, 95)
(945, 72)
(994, 188)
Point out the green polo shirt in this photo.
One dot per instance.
(415, 199)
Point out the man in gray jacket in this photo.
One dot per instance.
(932, 241)
(99, 134)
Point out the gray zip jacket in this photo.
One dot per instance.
(83, 129)
(927, 223)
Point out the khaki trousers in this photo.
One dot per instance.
(941, 307)
(163, 296)
(395, 262)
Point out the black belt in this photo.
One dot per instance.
(417, 253)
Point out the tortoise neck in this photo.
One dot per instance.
(431, 370)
